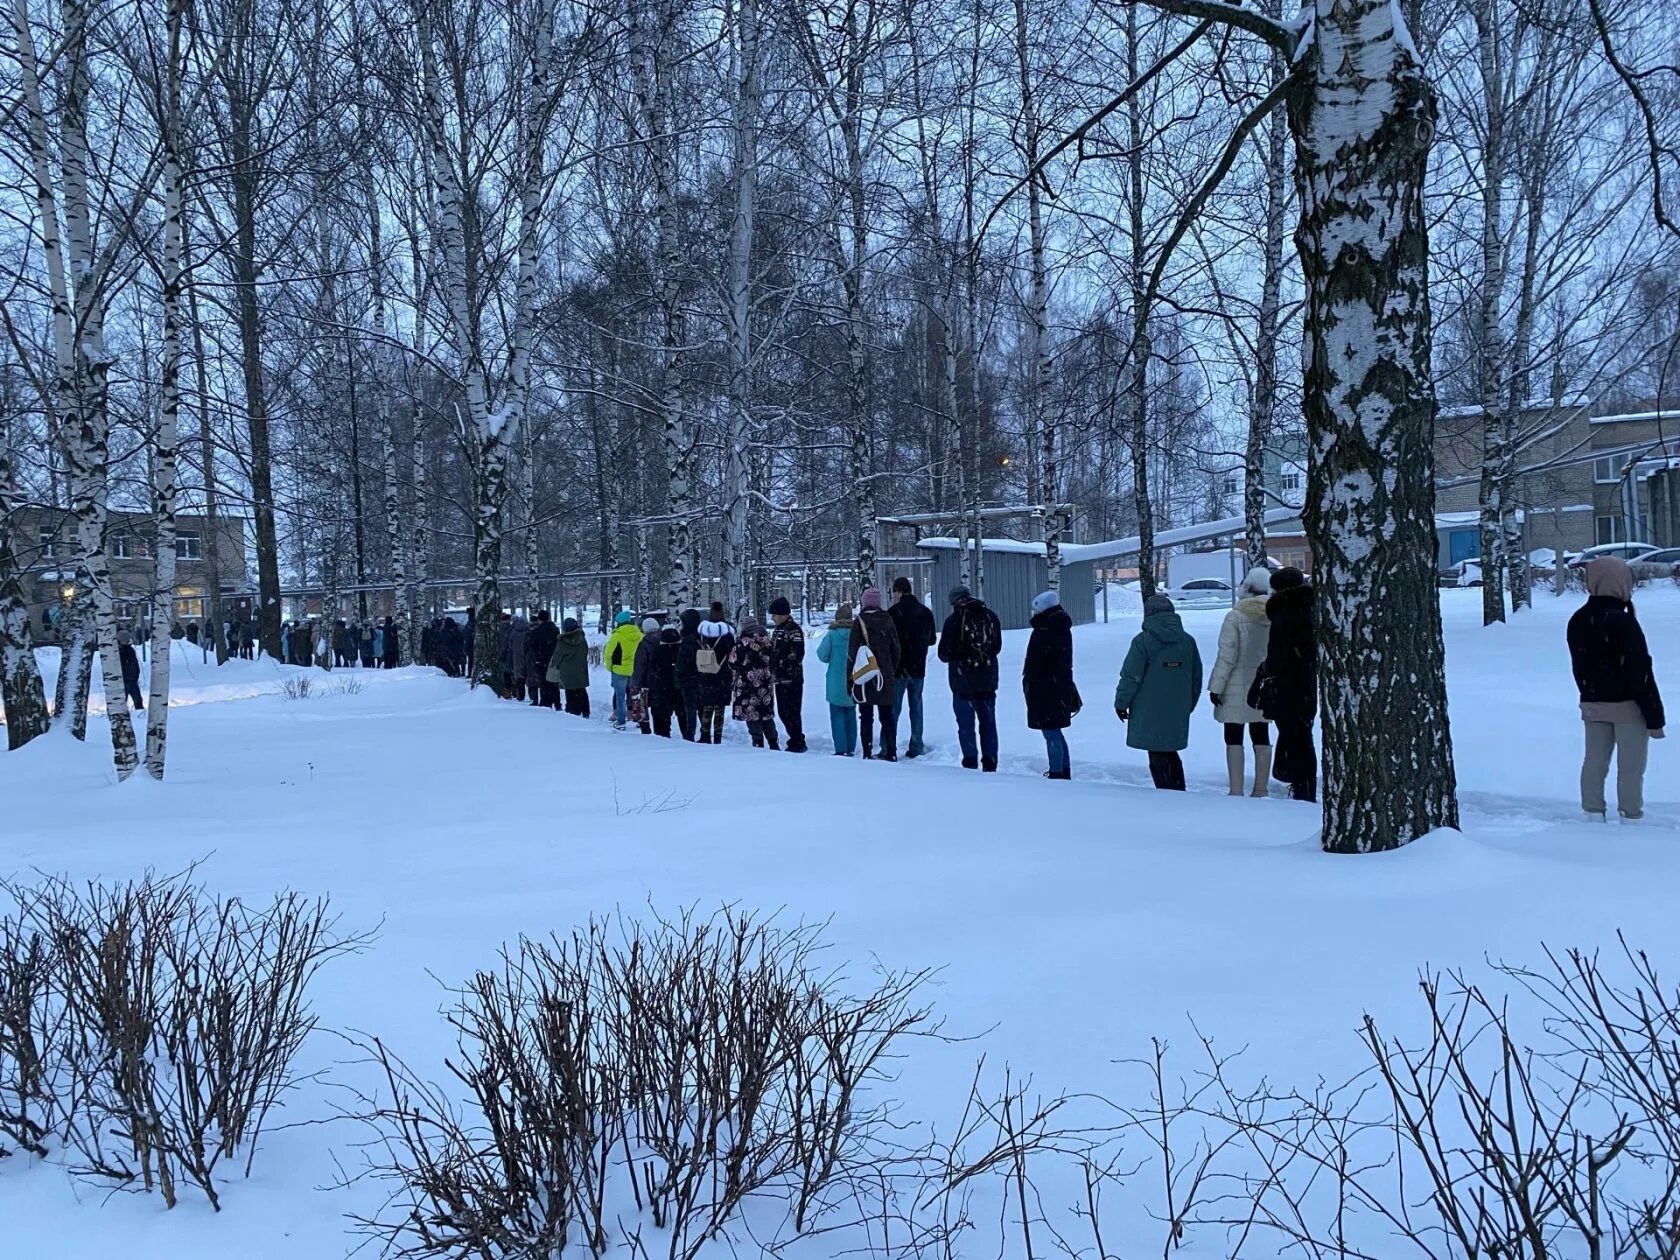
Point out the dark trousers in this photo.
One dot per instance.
(548, 695)
(867, 713)
(790, 699)
(1167, 771)
(663, 709)
(688, 711)
(763, 733)
(134, 697)
(972, 711)
(1297, 761)
(711, 724)
(577, 701)
(1259, 734)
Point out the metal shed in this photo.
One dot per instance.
(1015, 572)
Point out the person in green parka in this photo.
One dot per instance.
(569, 667)
(1159, 686)
(837, 682)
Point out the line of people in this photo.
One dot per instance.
(368, 643)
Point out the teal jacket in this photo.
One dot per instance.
(1160, 683)
(831, 651)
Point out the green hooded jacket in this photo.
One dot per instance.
(569, 666)
(1160, 683)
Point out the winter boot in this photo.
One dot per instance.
(989, 767)
(971, 763)
(1597, 815)
(1262, 770)
(1234, 765)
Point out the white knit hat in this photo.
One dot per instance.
(1258, 581)
(713, 629)
(1045, 600)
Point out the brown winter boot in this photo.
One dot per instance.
(1262, 771)
(1234, 768)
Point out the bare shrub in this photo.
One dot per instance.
(180, 1016)
(30, 1020)
(687, 1065)
(347, 687)
(297, 688)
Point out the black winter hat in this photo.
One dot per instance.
(779, 607)
(717, 610)
(901, 586)
(569, 624)
(958, 594)
(1286, 579)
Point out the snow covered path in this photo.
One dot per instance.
(1073, 922)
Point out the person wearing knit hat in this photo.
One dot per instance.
(754, 683)
(970, 643)
(689, 644)
(1242, 647)
(916, 635)
(640, 685)
(620, 657)
(871, 598)
(1288, 687)
(837, 682)
(873, 650)
(568, 668)
(1158, 689)
(1621, 708)
(717, 684)
(787, 664)
(1047, 680)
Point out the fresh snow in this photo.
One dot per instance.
(1072, 922)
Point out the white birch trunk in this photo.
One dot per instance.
(21, 690)
(1263, 408)
(1137, 392)
(1490, 363)
(738, 299)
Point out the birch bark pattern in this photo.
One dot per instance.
(1263, 409)
(1490, 350)
(21, 690)
(1137, 390)
(737, 453)
(1363, 118)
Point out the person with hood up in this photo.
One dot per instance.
(450, 647)
(364, 644)
(512, 632)
(916, 634)
(787, 660)
(688, 673)
(568, 668)
(1287, 686)
(716, 687)
(620, 658)
(754, 683)
(1047, 678)
(1621, 709)
(540, 641)
(391, 644)
(875, 639)
(969, 643)
(1243, 637)
(664, 689)
(837, 682)
(130, 662)
(639, 675)
(1159, 686)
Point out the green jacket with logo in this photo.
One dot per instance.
(1160, 684)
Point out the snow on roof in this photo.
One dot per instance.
(1073, 553)
(1471, 517)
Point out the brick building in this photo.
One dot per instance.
(45, 541)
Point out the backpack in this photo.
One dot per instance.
(706, 661)
(866, 678)
(980, 641)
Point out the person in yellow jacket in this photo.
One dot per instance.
(620, 656)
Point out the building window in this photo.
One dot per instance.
(1291, 482)
(1232, 484)
(189, 545)
(129, 546)
(1608, 529)
(48, 536)
(1607, 470)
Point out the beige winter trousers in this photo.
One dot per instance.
(1631, 742)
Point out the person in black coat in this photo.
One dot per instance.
(787, 662)
(1047, 679)
(874, 627)
(916, 634)
(688, 674)
(1621, 708)
(449, 646)
(540, 642)
(665, 697)
(969, 645)
(392, 644)
(1287, 685)
(130, 671)
(714, 677)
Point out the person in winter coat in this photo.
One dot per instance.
(711, 664)
(515, 633)
(837, 682)
(787, 660)
(664, 691)
(303, 642)
(450, 646)
(285, 641)
(620, 658)
(540, 639)
(365, 644)
(1621, 708)
(916, 633)
(754, 683)
(568, 667)
(1243, 637)
(639, 685)
(688, 673)
(1047, 679)
(391, 645)
(340, 644)
(969, 643)
(130, 670)
(192, 633)
(1158, 689)
(874, 630)
(1288, 686)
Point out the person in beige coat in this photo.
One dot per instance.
(1242, 647)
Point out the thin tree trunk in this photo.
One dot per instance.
(21, 689)
(737, 452)
(1137, 392)
(1363, 118)
(1263, 411)
(1490, 359)
(207, 448)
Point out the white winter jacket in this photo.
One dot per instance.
(1242, 647)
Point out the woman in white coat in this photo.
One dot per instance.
(1242, 648)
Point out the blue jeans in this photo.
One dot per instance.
(1055, 743)
(842, 723)
(983, 708)
(621, 698)
(911, 687)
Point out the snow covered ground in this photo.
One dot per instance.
(1072, 922)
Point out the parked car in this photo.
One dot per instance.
(1632, 552)
(1658, 564)
(1202, 592)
